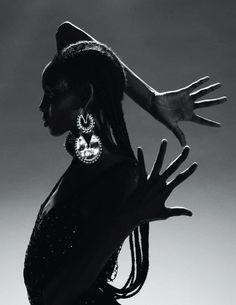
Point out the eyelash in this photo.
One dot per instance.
(50, 95)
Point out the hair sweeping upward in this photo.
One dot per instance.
(95, 63)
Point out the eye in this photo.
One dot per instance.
(50, 94)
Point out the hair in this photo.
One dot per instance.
(95, 63)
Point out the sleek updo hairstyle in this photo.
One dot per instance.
(95, 63)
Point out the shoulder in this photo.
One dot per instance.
(122, 170)
(110, 189)
(116, 186)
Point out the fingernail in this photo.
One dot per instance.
(186, 149)
(189, 213)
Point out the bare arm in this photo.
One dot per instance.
(104, 233)
(169, 107)
(136, 88)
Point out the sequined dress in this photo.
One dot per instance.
(54, 234)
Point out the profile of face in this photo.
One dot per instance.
(59, 106)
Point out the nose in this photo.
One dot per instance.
(44, 104)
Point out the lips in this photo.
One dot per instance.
(46, 123)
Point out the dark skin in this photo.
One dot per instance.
(170, 107)
(144, 202)
(155, 186)
(61, 106)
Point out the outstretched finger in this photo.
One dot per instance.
(159, 160)
(176, 163)
(141, 164)
(197, 84)
(179, 135)
(178, 211)
(210, 102)
(203, 121)
(182, 176)
(177, 132)
(196, 95)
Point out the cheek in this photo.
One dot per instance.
(68, 104)
(62, 116)
(63, 111)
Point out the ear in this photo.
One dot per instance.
(90, 95)
(85, 94)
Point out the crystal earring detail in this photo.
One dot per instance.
(87, 147)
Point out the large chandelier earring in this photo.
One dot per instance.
(87, 147)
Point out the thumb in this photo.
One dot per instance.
(177, 132)
(178, 211)
(180, 135)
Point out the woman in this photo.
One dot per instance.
(105, 194)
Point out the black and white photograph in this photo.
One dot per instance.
(117, 169)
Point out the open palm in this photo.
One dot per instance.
(174, 106)
(154, 189)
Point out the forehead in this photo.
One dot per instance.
(57, 85)
(52, 76)
(53, 79)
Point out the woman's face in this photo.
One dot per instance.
(58, 106)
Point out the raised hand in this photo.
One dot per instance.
(153, 190)
(179, 105)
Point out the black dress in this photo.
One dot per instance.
(55, 234)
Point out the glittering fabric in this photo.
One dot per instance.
(55, 234)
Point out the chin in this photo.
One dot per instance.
(56, 132)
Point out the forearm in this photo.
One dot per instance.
(136, 88)
(98, 241)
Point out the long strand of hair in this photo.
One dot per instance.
(139, 238)
(110, 86)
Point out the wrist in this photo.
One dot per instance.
(126, 223)
(155, 104)
(154, 98)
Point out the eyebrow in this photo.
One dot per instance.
(60, 85)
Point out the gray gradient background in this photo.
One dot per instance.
(169, 44)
